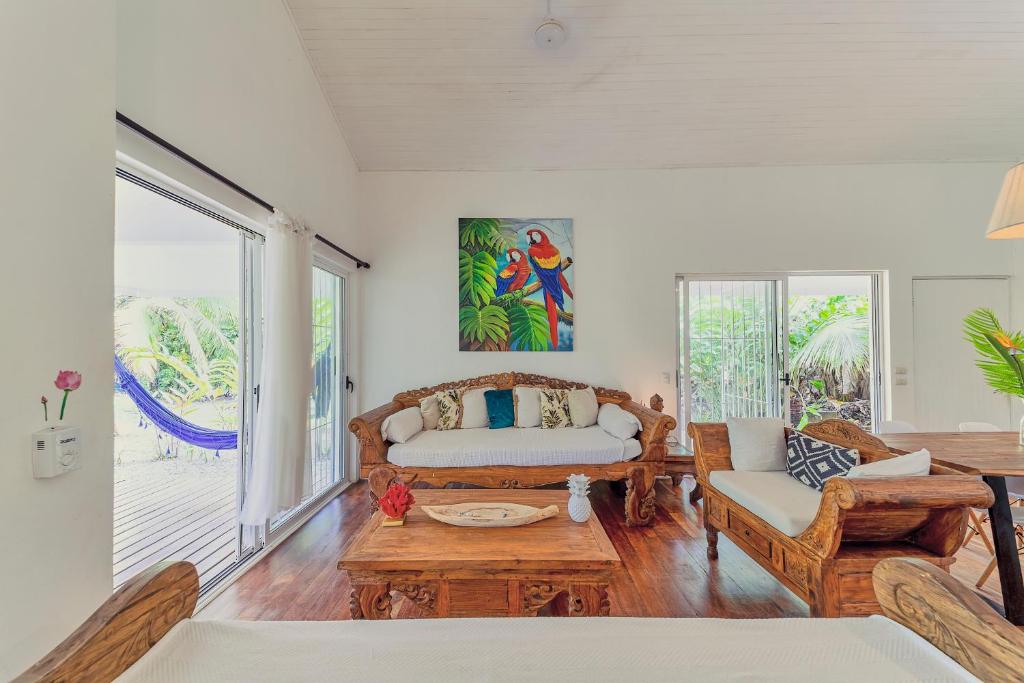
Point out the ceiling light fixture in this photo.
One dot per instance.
(551, 34)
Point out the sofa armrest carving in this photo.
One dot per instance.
(656, 428)
(710, 448)
(924, 510)
(366, 427)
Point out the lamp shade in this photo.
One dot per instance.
(1008, 216)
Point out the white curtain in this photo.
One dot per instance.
(280, 471)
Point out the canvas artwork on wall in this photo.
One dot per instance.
(515, 284)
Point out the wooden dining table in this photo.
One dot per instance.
(993, 456)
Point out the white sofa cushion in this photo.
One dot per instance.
(474, 407)
(402, 426)
(775, 497)
(758, 444)
(519, 447)
(583, 407)
(527, 406)
(916, 464)
(430, 412)
(619, 423)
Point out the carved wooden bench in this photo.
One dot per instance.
(638, 473)
(859, 521)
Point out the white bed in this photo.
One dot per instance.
(936, 630)
(872, 649)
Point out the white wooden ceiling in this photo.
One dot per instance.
(459, 84)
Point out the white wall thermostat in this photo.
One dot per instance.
(55, 451)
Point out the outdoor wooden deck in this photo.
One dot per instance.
(168, 510)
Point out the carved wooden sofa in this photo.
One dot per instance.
(639, 473)
(859, 522)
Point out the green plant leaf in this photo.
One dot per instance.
(1001, 369)
(477, 277)
(529, 324)
(489, 322)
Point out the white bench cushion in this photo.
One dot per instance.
(519, 446)
(775, 497)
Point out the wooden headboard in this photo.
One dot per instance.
(124, 628)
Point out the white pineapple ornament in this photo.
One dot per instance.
(579, 504)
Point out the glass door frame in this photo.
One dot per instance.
(250, 241)
(684, 400)
(877, 333)
(272, 532)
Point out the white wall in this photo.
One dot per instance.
(56, 298)
(227, 81)
(634, 231)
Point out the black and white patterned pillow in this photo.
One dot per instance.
(814, 462)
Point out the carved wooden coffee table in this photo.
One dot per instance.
(555, 566)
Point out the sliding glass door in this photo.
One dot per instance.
(804, 347)
(731, 350)
(327, 404)
(183, 354)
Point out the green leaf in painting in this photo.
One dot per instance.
(529, 325)
(489, 322)
(483, 233)
(477, 274)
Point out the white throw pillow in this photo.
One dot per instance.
(620, 423)
(583, 407)
(758, 444)
(916, 464)
(402, 426)
(474, 408)
(527, 403)
(431, 413)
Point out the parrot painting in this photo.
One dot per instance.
(547, 263)
(513, 277)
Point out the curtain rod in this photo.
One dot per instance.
(188, 158)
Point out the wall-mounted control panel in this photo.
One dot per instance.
(55, 451)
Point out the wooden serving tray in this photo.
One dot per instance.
(494, 514)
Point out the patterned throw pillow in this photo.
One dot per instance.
(554, 409)
(814, 462)
(449, 409)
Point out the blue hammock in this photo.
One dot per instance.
(168, 422)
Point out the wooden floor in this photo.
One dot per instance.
(665, 570)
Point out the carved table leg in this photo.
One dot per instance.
(370, 601)
(697, 493)
(588, 600)
(639, 496)
(712, 534)
(379, 479)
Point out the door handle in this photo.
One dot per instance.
(350, 386)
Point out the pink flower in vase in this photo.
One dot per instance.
(67, 381)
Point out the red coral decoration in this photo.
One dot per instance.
(396, 501)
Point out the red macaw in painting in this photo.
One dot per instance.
(547, 263)
(513, 277)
